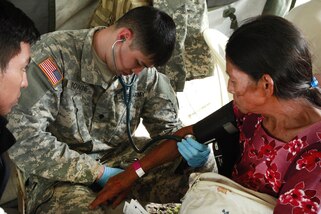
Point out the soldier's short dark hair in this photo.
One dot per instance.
(154, 32)
(15, 27)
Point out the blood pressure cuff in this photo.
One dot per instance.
(220, 128)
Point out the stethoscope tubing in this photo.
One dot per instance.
(127, 93)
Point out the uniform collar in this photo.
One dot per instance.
(90, 72)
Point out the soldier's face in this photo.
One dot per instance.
(13, 79)
(131, 60)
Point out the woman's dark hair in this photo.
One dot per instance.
(154, 32)
(15, 27)
(274, 46)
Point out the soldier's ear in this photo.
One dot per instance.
(125, 34)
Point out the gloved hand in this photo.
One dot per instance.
(195, 153)
(108, 173)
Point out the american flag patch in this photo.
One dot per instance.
(50, 69)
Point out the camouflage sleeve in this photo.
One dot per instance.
(160, 112)
(192, 58)
(37, 151)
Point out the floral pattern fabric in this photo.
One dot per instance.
(289, 171)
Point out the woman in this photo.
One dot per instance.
(277, 104)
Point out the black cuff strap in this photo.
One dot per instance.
(220, 128)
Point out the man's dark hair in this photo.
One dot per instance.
(15, 27)
(154, 32)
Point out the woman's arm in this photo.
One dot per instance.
(117, 187)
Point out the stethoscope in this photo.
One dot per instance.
(127, 93)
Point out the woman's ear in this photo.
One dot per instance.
(267, 84)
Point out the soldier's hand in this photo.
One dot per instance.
(195, 153)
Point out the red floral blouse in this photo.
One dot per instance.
(290, 171)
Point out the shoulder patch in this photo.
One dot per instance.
(51, 70)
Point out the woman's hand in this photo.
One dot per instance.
(116, 189)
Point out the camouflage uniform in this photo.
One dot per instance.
(108, 11)
(64, 126)
(192, 58)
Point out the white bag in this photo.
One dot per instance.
(214, 193)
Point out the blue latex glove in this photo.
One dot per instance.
(108, 173)
(195, 153)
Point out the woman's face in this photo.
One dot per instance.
(245, 90)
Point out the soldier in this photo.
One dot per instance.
(17, 33)
(191, 58)
(71, 124)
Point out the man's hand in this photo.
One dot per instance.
(195, 153)
(116, 189)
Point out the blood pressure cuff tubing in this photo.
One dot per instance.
(220, 128)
